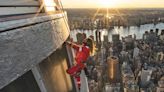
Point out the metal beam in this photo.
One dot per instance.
(39, 79)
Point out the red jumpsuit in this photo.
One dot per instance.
(82, 53)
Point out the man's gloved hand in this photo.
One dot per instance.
(68, 43)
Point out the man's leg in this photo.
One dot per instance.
(78, 81)
(75, 69)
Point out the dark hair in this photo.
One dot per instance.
(90, 44)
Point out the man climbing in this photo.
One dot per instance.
(82, 53)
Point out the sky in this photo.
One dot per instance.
(113, 3)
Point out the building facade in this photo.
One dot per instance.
(33, 57)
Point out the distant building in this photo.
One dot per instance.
(145, 77)
(160, 87)
(128, 79)
(112, 88)
(132, 88)
(113, 70)
(115, 37)
(106, 38)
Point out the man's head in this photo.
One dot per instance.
(88, 42)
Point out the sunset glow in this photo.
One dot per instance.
(113, 3)
(108, 3)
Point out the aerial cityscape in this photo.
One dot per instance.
(139, 60)
(81, 46)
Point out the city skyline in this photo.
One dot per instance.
(113, 3)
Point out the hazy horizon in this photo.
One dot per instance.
(114, 8)
(113, 3)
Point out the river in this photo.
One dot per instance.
(120, 30)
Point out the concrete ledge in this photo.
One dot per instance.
(23, 48)
(33, 20)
